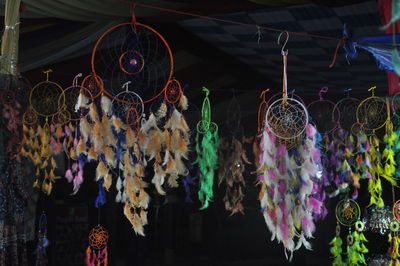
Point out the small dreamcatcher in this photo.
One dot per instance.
(348, 214)
(122, 109)
(207, 142)
(323, 113)
(132, 52)
(70, 97)
(173, 91)
(348, 107)
(372, 112)
(96, 253)
(94, 84)
(286, 118)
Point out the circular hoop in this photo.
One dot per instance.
(319, 120)
(91, 82)
(63, 117)
(44, 98)
(70, 97)
(372, 107)
(347, 212)
(133, 118)
(98, 237)
(360, 226)
(279, 121)
(29, 117)
(124, 65)
(348, 107)
(173, 91)
(122, 109)
(396, 210)
(394, 226)
(134, 27)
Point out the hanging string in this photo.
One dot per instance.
(231, 21)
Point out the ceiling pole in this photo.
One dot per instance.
(9, 42)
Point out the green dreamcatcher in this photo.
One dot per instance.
(207, 142)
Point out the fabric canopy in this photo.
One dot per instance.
(94, 10)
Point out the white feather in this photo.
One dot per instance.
(158, 179)
(149, 124)
(119, 184)
(82, 102)
(118, 197)
(106, 105)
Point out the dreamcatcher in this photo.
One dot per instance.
(286, 117)
(290, 192)
(348, 107)
(323, 113)
(44, 100)
(123, 110)
(94, 84)
(207, 143)
(96, 253)
(372, 112)
(232, 159)
(132, 52)
(43, 242)
(348, 214)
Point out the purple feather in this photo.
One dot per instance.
(78, 181)
(282, 187)
(316, 205)
(369, 175)
(68, 175)
(67, 130)
(74, 167)
(311, 130)
(272, 174)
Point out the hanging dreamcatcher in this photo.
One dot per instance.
(93, 84)
(207, 142)
(132, 52)
(348, 214)
(348, 107)
(286, 117)
(323, 113)
(232, 159)
(43, 242)
(290, 173)
(96, 253)
(45, 100)
(122, 108)
(372, 112)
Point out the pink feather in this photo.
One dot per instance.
(67, 130)
(310, 130)
(369, 175)
(76, 142)
(272, 174)
(53, 143)
(52, 128)
(74, 167)
(316, 205)
(68, 175)
(367, 146)
(78, 181)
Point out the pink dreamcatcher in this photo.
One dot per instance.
(323, 113)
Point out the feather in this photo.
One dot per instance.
(144, 198)
(106, 105)
(98, 143)
(183, 102)
(91, 156)
(107, 181)
(82, 102)
(68, 175)
(93, 114)
(84, 128)
(130, 137)
(107, 133)
(78, 180)
(158, 179)
(173, 181)
(154, 143)
(110, 156)
(151, 123)
(162, 111)
(143, 216)
(117, 123)
(137, 224)
(101, 171)
(81, 147)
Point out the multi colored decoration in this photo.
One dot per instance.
(207, 143)
(96, 253)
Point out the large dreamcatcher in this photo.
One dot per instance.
(286, 117)
(132, 52)
(323, 113)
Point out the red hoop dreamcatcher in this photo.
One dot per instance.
(323, 113)
(132, 52)
(173, 91)
(94, 84)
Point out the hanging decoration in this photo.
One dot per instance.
(96, 253)
(232, 159)
(288, 171)
(207, 143)
(45, 100)
(43, 242)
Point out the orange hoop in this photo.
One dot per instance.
(121, 65)
(133, 122)
(173, 86)
(90, 81)
(134, 25)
